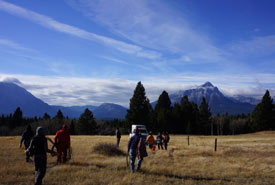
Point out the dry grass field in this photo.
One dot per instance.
(244, 159)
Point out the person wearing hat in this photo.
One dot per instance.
(39, 148)
(132, 150)
(63, 141)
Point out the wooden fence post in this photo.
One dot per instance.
(216, 141)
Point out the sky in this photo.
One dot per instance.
(88, 52)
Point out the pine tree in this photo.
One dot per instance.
(72, 128)
(86, 123)
(263, 114)
(17, 118)
(59, 115)
(186, 111)
(176, 119)
(140, 108)
(204, 117)
(162, 113)
(46, 116)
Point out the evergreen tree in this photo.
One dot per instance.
(59, 115)
(204, 117)
(194, 127)
(72, 128)
(46, 116)
(86, 123)
(58, 121)
(162, 113)
(140, 109)
(17, 118)
(176, 118)
(186, 112)
(263, 114)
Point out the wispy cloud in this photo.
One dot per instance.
(152, 24)
(258, 46)
(72, 30)
(115, 60)
(13, 45)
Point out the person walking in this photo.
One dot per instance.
(159, 141)
(150, 140)
(132, 150)
(26, 138)
(63, 142)
(38, 148)
(166, 139)
(118, 136)
(141, 152)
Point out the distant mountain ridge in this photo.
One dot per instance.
(217, 102)
(13, 96)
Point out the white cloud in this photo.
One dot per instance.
(82, 91)
(72, 30)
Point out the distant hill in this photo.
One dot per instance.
(217, 102)
(109, 111)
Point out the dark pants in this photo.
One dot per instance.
(117, 141)
(160, 144)
(40, 163)
(27, 144)
(62, 153)
(165, 146)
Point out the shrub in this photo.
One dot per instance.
(108, 149)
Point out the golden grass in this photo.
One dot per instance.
(244, 159)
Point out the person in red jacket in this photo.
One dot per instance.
(62, 140)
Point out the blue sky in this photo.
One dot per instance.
(77, 52)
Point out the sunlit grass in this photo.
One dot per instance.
(243, 159)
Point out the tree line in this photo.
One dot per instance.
(188, 118)
(184, 117)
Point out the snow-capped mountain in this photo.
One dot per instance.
(217, 102)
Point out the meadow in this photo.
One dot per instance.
(243, 159)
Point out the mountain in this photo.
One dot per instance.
(13, 96)
(74, 111)
(109, 111)
(217, 102)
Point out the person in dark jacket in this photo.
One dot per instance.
(159, 141)
(166, 139)
(26, 138)
(63, 142)
(118, 136)
(39, 148)
(132, 150)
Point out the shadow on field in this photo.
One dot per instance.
(120, 168)
(185, 177)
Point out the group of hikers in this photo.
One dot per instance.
(160, 140)
(137, 146)
(37, 146)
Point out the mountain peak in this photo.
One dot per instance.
(207, 84)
